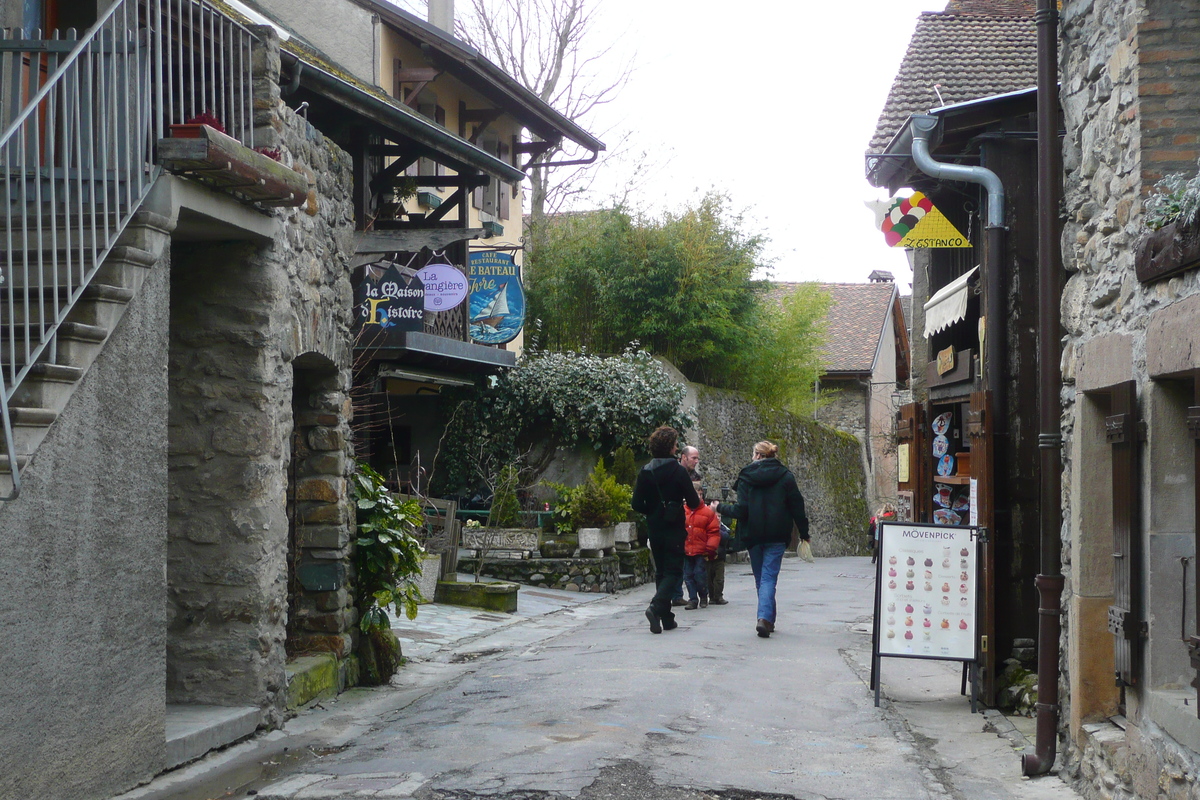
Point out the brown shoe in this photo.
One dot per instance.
(691, 606)
(764, 628)
(704, 602)
(720, 601)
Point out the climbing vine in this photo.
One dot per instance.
(557, 399)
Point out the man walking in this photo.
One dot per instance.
(689, 459)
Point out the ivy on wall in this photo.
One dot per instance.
(555, 399)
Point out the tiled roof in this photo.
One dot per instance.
(968, 55)
(854, 324)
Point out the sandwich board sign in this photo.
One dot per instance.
(927, 596)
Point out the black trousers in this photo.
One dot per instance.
(667, 549)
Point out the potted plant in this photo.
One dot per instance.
(387, 559)
(1171, 243)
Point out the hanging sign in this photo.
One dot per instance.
(915, 222)
(387, 301)
(445, 286)
(926, 595)
(497, 305)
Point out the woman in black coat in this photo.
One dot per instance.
(769, 503)
(663, 486)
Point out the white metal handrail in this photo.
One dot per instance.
(81, 120)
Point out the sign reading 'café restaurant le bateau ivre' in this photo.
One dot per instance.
(497, 309)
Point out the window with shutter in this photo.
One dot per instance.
(502, 189)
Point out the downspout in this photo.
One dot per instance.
(994, 356)
(1049, 581)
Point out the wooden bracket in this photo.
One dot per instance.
(482, 117)
(418, 76)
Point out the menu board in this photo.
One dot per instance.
(928, 585)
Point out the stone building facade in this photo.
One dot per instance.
(1130, 86)
(158, 549)
(259, 377)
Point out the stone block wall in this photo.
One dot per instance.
(568, 574)
(828, 464)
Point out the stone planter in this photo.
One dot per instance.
(490, 596)
(427, 581)
(626, 536)
(501, 542)
(595, 542)
(1168, 251)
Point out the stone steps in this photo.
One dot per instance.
(50, 383)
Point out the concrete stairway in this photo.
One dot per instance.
(49, 385)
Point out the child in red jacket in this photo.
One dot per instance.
(703, 539)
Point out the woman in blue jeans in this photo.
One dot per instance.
(769, 503)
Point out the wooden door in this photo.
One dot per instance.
(912, 464)
(979, 425)
(1125, 617)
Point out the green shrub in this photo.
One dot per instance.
(596, 503)
(624, 467)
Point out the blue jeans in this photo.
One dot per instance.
(765, 561)
(695, 572)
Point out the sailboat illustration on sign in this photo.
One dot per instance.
(494, 310)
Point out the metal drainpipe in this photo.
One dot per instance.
(1050, 580)
(923, 127)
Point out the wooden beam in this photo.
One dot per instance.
(456, 200)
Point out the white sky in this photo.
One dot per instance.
(770, 101)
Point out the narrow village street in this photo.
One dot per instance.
(574, 697)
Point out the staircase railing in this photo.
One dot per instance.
(80, 121)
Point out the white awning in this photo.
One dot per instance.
(949, 305)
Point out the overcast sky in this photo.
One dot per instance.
(771, 101)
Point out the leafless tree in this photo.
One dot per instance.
(553, 49)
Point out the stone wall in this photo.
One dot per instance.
(567, 574)
(260, 348)
(827, 464)
(1130, 88)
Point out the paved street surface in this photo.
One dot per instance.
(574, 697)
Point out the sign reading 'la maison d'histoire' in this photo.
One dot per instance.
(385, 298)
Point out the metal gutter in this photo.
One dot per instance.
(1049, 581)
(398, 118)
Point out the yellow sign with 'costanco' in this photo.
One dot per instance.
(915, 222)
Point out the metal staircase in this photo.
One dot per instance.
(80, 120)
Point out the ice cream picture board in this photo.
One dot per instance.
(928, 585)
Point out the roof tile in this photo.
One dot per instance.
(967, 55)
(854, 324)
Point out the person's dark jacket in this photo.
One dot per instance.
(664, 479)
(769, 502)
